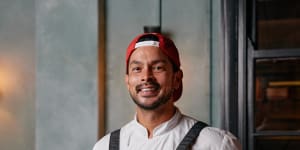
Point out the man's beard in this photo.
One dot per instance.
(161, 100)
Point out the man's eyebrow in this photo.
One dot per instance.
(135, 62)
(159, 61)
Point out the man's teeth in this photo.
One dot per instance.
(147, 89)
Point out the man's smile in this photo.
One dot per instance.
(148, 89)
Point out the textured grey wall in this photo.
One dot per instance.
(125, 19)
(48, 74)
(17, 75)
(217, 67)
(189, 24)
(66, 117)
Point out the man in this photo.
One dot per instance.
(154, 81)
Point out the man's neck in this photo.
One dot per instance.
(150, 119)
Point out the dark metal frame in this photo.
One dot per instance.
(242, 73)
(252, 54)
(240, 53)
(235, 66)
(230, 35)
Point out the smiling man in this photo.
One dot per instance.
(154, 81)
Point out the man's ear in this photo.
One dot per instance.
(178, 78)
(126, 81)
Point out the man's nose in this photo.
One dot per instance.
(147, 75)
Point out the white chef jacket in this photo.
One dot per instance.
(168, 135)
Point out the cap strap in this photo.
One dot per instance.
(147, 43)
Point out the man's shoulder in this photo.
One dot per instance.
(212, 137)
(209, 131)
(215, 133)
(103, 143)
(218, 138)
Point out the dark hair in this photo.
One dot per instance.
(148, 37)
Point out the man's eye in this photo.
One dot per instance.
(158, 68)
(135, 69)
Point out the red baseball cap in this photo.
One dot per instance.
(165, 44)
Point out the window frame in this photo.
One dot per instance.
(253, 53)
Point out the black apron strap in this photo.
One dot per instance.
(191, 136)
(114, 140)
(185, 144)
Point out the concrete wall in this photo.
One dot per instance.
(48, 74)
(66, 99)
(188, 23)
(125, 19)
(17, 75)
(217, 65)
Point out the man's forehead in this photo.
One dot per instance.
(136, 62)
(155, 56)
(150, 51)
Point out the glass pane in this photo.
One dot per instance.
(277, 89)
(278, 24)
(277, 143)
